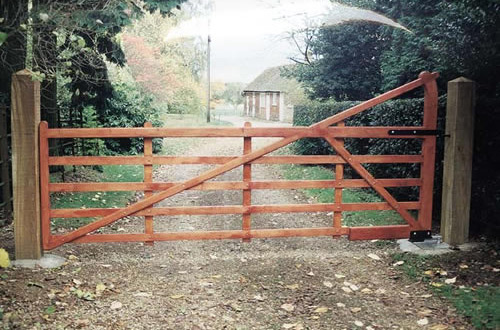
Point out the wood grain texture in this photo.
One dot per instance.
(235, 209)
(311, 131)
(429, 154)
(378, 232)
(247, 177)
(183, 160)
(25, 119)
(339, 177)
(230, 185)
(148, 179)
(455, 211)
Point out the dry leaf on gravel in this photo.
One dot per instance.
(177, 296)
(288, 307)
(450, 280)
(423, 321)
(292, 286)
(116, 305)
(328, 284)
(373, 256)
(321, 310)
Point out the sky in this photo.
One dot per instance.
(248, 36)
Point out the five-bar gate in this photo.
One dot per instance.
(331, 129)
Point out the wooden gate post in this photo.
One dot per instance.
(25, 119)
(458, 161)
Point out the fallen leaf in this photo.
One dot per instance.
(216, 276)
(346, 289)
(4, 259)
(72, 257)
(462, 266)
(373, 256)
(142, 294)
(339, 276)
(423, 321)
(292, 286)
(321, 310)
(116, 305)
(258, 297)
(328, 284)
(429, 273)
(398, 263)
(425, 312)
(177, 296)
(289, 325)
(426, 296)
(437, 284)
(450, 280)
(288, 307)
(310, 274)
(439, 327)
(100, 288)
(366, 291)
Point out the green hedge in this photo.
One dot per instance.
(405, 112)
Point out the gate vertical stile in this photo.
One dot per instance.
(44, 185)
(247, 178)
(148, 179)
(429, 154)
(339, 177)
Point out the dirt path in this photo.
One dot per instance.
(294, 283)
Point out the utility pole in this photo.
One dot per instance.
(208, 79)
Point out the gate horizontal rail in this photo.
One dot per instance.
(334, 135)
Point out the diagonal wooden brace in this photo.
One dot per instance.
(347, 156)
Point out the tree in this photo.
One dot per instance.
(232, 94)
(347, 65)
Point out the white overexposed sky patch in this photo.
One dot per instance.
(247, 35)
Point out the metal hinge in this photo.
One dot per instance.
(420, 235)
(416, 132)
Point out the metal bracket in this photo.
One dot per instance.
(420, 235)
(416, 132)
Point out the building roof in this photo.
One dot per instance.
(271, 80)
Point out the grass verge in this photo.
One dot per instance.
(479, 303)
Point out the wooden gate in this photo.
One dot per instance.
(335, 135)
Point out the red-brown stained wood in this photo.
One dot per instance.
(230, 185)
(379, 232)
(247, 177)
(148, 178)
(235, 209)
(339, 177)
(429, 153)
(210, 235)
(311, 131)
(181, 160)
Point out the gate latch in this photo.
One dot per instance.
(420, 235)
(416, 132)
